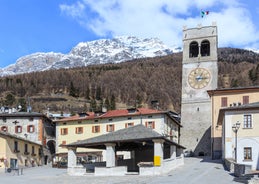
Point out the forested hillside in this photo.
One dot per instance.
(128, 84)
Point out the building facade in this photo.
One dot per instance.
(199, 74)
(17, 152)
(32, 126)
(88, 125)
(222, 98)
(242, 146)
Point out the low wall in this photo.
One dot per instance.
(229, 164)
(167, 166)
(110, 171)
(170, 164)
(241, 169)
(237, 169)
(76, 171)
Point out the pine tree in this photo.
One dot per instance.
(113, 103)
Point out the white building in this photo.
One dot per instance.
(246, 139)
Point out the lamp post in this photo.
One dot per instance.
(235, 128)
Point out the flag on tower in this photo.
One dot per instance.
(203, 13)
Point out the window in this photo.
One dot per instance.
(79, 122)
(224, 101)
(110, 128)
(26, 149)
(64, 131)
(31, 119)
(150, 124)
(16, 149)
(30, 128)
(79, 130)
(129, 125)
(4, 129)
(194, 49)
(205, 48)
(245, 99)
(247, 153)
(248, 121)
(33, 151)
(96, 120)
(96, 129)
(40, 152)
(18, 129)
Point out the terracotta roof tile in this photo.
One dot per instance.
(114, 113)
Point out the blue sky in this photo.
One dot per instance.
(29, 26)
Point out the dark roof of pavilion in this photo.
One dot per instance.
(130, 134)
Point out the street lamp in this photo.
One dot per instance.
(235, 128)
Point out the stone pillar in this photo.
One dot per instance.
(172, 151)
(110, 154)
(133, 158)
(158, 152)
(71, 157)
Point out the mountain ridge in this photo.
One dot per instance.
(100, 51)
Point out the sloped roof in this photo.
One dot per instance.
(250, 106)
(6, 134)
(131, 134)
(113, 113)
(233, 90)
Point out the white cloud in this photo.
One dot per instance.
(75, 10)
(165, 18)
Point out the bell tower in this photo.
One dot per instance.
(199, 74)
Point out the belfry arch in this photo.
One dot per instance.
(205, 48)
(194, 49)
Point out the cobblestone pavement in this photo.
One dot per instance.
(195, 171)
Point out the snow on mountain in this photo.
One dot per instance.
(101, 51)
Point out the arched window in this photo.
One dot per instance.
(4, 129)
(194, 49)
(205, 48)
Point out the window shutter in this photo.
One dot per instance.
(146, 123)
(153, 125)
(224, 102)
(93, 129)
(126, 125)
(16, 129)
(245, 99)
(28, 128)
(113, 127)
(107, 128)
(98, 128)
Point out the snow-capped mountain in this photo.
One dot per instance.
(101, 51)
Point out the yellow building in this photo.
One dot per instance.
(222, 98)
(88, 125)
(17, 152)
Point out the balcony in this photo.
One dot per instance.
(26, 153)
(16, 151)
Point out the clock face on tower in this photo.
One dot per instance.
(199, 78)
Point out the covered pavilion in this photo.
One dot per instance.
(151, 153)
